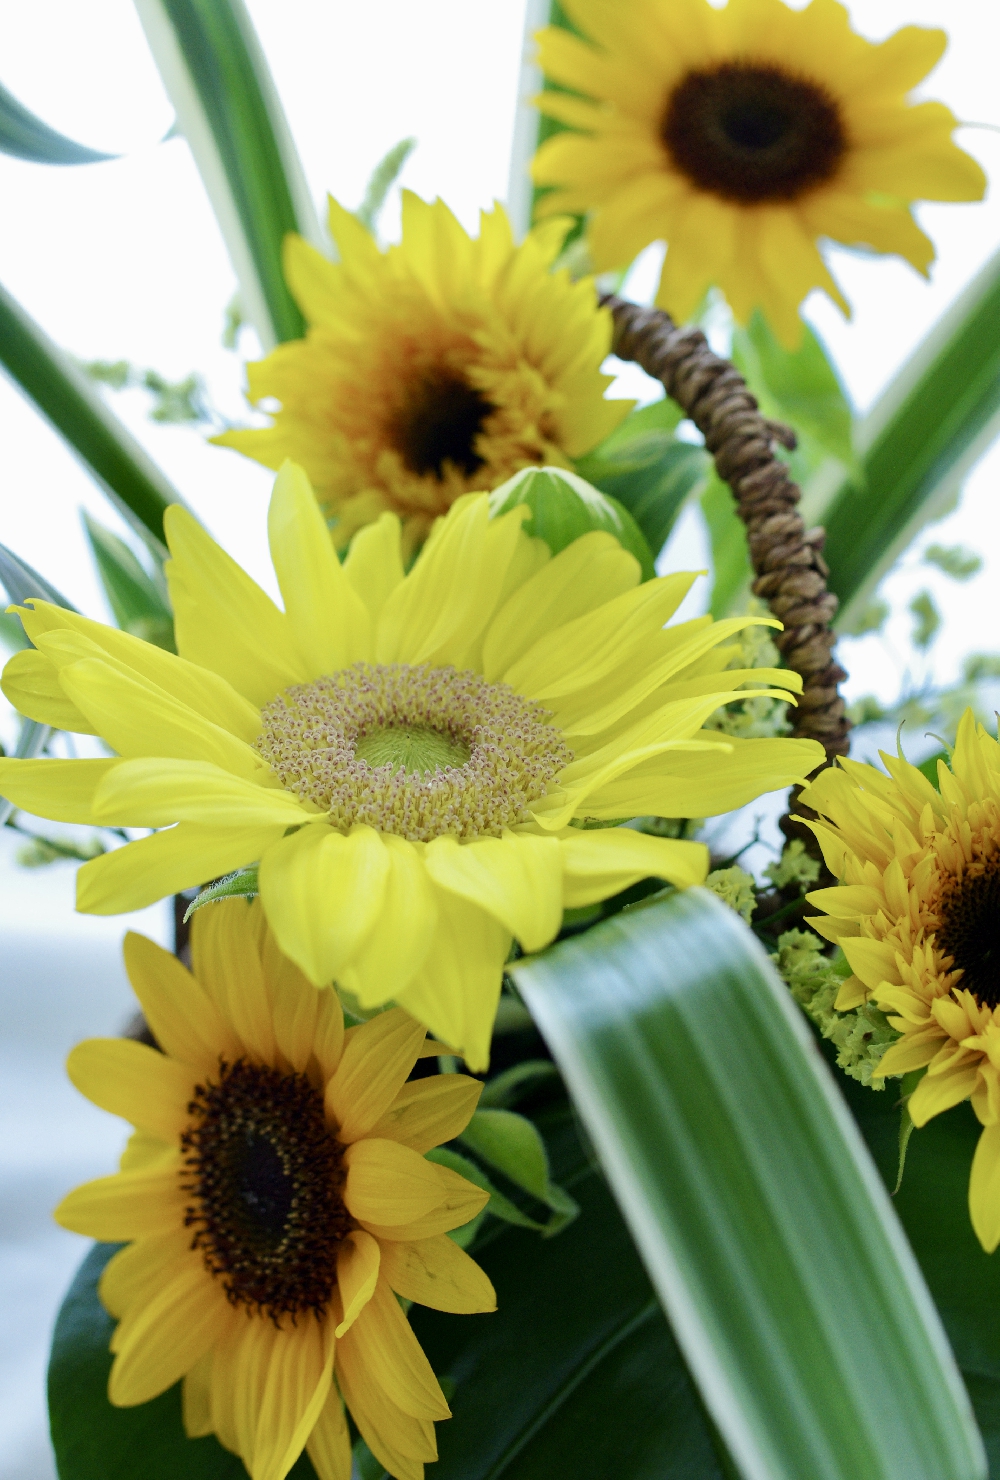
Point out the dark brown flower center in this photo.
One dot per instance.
(264, 1175)
(439, 423)
(970, 931)
(752, 133)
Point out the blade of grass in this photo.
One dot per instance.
(757, 1210)
(24, 136)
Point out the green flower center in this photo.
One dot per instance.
(417, 751)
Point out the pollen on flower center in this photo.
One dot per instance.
(753, 133)
(438, 423)
(970, 931)
(264, 1178)
(413, 750)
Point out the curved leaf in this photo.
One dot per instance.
(31, 741)
(26, 137)
(757, 1210)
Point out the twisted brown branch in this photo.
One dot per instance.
(790, 570)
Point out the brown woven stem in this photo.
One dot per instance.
(789, 568)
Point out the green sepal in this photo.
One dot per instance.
(240, 885)
(565, 506)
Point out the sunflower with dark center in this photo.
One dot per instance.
(441, 365)
(275, 1199)
(741, 136)
(917, 914)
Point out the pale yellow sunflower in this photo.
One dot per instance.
(439, 366)
(275, 1199)
(409, 757)
(741, 136)
(917, 914)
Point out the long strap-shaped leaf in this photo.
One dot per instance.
(25, 136)
(129, 477)
(228, 110)
(929, 426)
(756, 1208)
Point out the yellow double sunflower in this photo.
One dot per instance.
(408, 757)
(741, 135)
(275, 1200)
(442, 365)
(917, 914)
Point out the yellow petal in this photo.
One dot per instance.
(397, 1440)
(516, 878)
(126, 1205)
(155, 793)
(134, 1081)
(196, 1407)
(306, 1022)
(223, 620)
(601, 863)
(181, 1017)
(374, 564)
(226, 957)
(436, 1272)
(461, 1201)
(393, 1358)
(135, 1274)
(357, 1275)
(938, 1092)
(242, 1360)
(428, 1112)
(329, 1444)
(323, 892)
(984, 1188)
(166, 1338)
(62, 790)
(296, 1388)
(31, 683)
(178, 858)
(330, 623)
(393, 952)
(874, 961)
(388, 1184)
(375, 1064)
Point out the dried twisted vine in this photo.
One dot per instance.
(790, 570)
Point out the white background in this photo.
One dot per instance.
(123, 260)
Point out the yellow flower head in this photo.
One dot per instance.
(273, 1197)
(404, 755)
(442, 365)
(917, 915)
(742, 135)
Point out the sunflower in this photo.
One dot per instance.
(442, 365)
(741, 136)
(273, 1198)
(917, 914)
(405, 755)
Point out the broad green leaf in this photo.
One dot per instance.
(928, 428)
(663, 415)
(26, 137)
(20, 580)
(799, 386)
(380, 182)
(137, 599)
(731, 570)
(565, 506)
(511, 1143)
(769, 1239)
(240, 885)
(94, 1441)
(651, 474)
(513, 1084)
(66, 398)
(228, 109)
(576, 1374)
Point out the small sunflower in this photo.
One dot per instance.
(274, 1200)
(917, 914)
(405, 755)
(442, 365)
(741, 136)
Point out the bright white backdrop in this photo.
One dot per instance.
(123, 260)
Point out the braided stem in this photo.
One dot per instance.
(790, 572)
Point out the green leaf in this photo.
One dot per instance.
(564, 507)
(240, 885)
(26, 137)
(755, 1206)
(925, 432)
(229, 111)
(514, 1083)
(576, 1374)
(499, 1205)
(94, 1441)
(31, 741)
(380, 182)
(511, 1143)
(118, 464)
(20, 580)
(652, 474)
(137, 599)
(799, 386)
(731, 572)
(929, 767)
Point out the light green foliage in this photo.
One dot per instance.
(794, 867)
(868, 616)
(511, 1144)
(751, 719)
(979, 666)
(861, 1037)
(565, 506)
(956, 561)
(380, 182)
(233, 321)
(39, 851)
(735, 887)
(176, 402)
(927, 619)
(667, 827)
